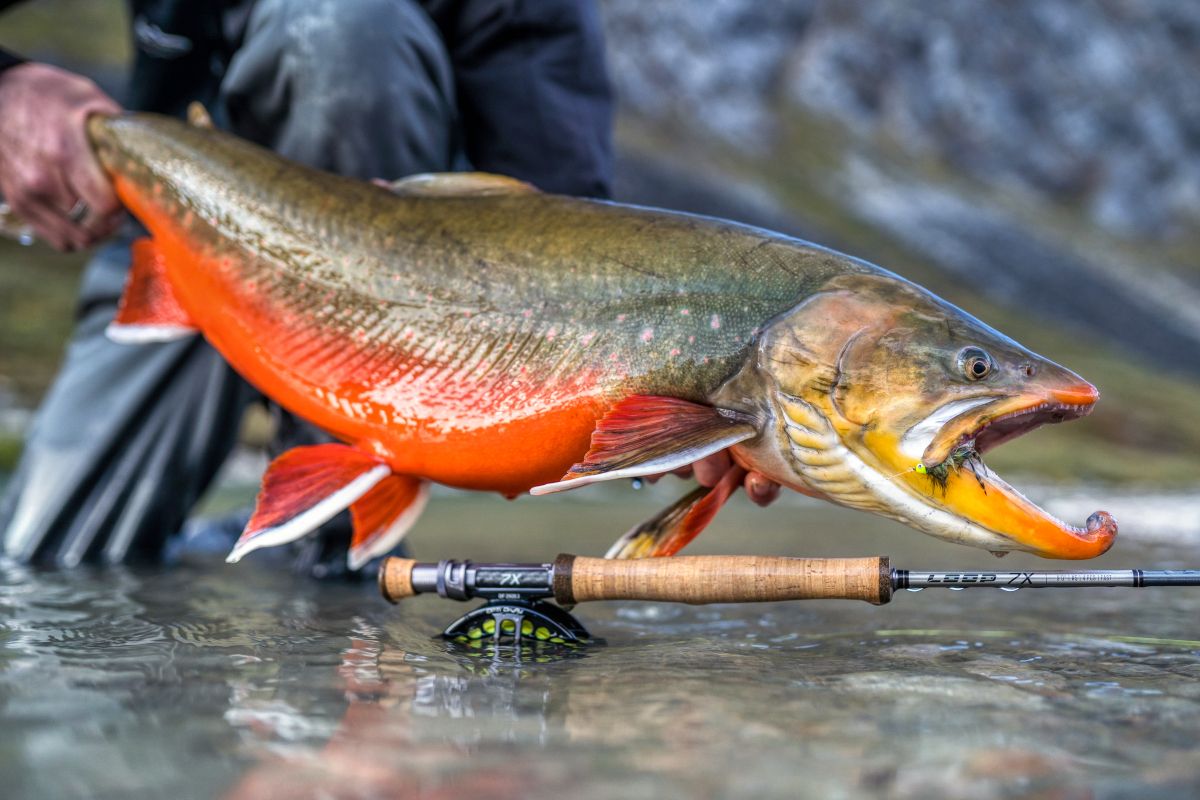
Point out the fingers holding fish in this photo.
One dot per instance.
(48, 172)
(760, 489)
(708, 472)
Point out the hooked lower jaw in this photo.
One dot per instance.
(971, 490)
(1005, 511)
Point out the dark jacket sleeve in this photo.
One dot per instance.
(8, 59)
(532, 90)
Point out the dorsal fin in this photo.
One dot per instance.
(198, 116)
(459, 184)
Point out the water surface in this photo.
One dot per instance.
(213, 680)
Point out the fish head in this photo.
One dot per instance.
(889, 397)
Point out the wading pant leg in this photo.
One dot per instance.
(358, 87)
(130, 436)
(126, 440)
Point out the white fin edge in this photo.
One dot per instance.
(145, 334)
(359, 556)
(311, 518)
(666, 463)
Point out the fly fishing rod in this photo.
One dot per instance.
(517, 593)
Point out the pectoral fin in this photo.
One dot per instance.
(674, 527)
(646, 435)
(149, 310)
(303, 489)
(384, 515)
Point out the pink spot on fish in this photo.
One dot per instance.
(715, 322)
(586, 339)
(684, 311)
(527, 313)
(647, 334)
(621, 317)
(674, 351)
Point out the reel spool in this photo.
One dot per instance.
(522, 621)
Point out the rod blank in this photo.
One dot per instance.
(1046, 579)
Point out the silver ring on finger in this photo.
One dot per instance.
(78, 212)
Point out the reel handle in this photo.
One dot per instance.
(722, 579)
(680, 579)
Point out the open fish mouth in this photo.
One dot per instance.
(997, 430)
(964, 485)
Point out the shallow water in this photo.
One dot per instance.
(215, 680)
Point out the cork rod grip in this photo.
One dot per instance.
(722, 579)
(395, 579)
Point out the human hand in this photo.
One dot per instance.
(759, 488)
(48, 173)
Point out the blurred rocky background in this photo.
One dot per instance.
(1035, 161)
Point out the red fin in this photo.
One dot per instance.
(645, 435)
(384, 515)
(149, 310)
(672, 529)
(304, 488)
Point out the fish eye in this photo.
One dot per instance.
(975, 363)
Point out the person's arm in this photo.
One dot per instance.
(48, 173)
(532, 90)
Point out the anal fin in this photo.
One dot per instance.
(384, 515)
(646, 435)
(149, 310)
(669, 531)
(303, 489)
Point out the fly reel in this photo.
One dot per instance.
(516, 610)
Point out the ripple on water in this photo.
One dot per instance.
(195, 682)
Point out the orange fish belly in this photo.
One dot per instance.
(504, 436)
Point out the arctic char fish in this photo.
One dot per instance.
(472, 331)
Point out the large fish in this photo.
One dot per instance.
(471, 331)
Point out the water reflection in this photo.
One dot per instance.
(218, 682)
(388, 742)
